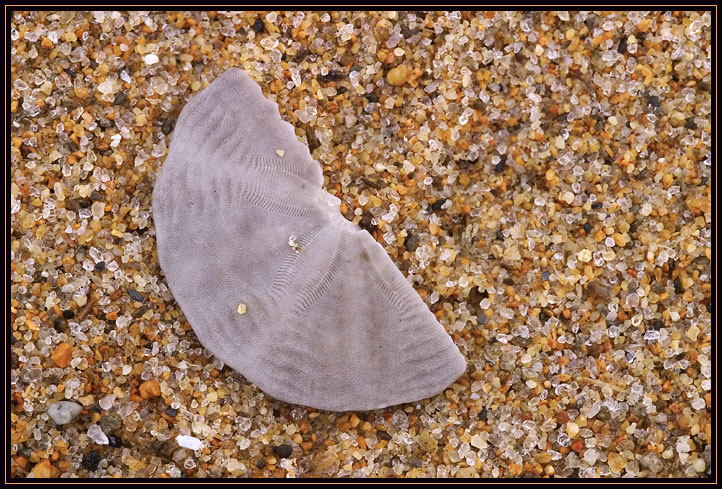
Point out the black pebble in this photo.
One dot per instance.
(500, 167)
(119, 98)
(260, 464)
(135, 295)
(172, 412)
(96, 196)
(500, 236)
(105, 123)
(114, 441)
(167, 127)
(653, 100)
(70, 72)
(482, 319)
(341, 90)
(484, 414)
(587, 228)
(436, 206)
(411, 243)
(68, 314)
(371, 97)
(283, 451)
(100, 266)
(690, 123)
(596, 205)
(91, 460)
(259, 26)
(383, 435)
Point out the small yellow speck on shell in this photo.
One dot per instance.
(241, 308)
(280, 152)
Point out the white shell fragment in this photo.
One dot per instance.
(336, 326)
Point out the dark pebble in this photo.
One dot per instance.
(482, 319)
(500, 235)
(259, 26)
(331, 76)
(58, 323)
(622, 45)
(114, 441)
(484, 414)
(370, 183)
(678, 289)
(167, 127)
(119, 98)
(545, 275)
(596, 205)
(500, 167)
(690, 123)
(383, 435)
(96, 196)
(371, 97)
(587, 228)
(100, 266)
(653, 101)
(142, 310)
(341, 90)
(68, 314)
(260, 464)
(412, 242)
(135, 295)
(172, 412)
(436, 206)
(283, 451)
(476, 295)
(70, 72)
(366, 223)
(105, 123)
(91, 460)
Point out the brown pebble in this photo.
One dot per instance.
(43, 470)
(62, 355)
(397, 76)
(149, 388)
(562, 417)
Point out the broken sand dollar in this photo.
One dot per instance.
(325, 318)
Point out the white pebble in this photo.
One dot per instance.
(106, 87)
(190, 442)
(63, 412)
(107, 402)
(150, 59)
(95, 433)
(98, 210)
